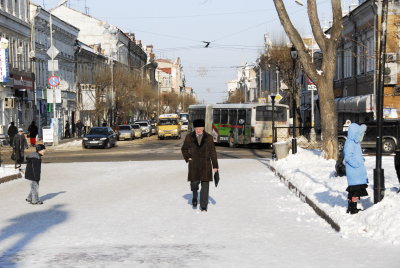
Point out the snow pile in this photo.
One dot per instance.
(315, 177)
(7, 171)
(72, 145)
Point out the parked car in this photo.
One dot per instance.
(390, 137)
(125, 132)
(103, 137)
(137, 131)
(145, 126)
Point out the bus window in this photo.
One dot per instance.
(264, 113)
(248, 116)
(216, 116)
(233, 117)
(242, 114)
(280, 114)
(224, 116)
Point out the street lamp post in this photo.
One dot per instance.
(293, 53)
(273, 118)
(379, 176)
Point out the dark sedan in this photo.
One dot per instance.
(103, 137)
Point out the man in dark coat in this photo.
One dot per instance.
(397, 165)
(79, 127)
(67, 133)
(12, 131)
(33, 172)
(33, 131)
(199, 151)
(19, 146)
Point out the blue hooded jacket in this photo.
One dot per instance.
(355, 169)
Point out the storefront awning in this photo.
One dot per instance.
(356, 104)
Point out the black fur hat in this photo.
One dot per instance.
(199, 123)
(40, 147)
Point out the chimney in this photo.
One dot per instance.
(139, 43)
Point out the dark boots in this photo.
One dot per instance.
(194, 200)
(352, 208)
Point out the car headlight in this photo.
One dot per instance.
(175, 130)
(160, 131)
(85, 139)
(103, 139)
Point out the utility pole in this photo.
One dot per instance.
(55, 119)
(379, 176)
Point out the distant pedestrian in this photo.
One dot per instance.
(67, 133)
(104, 124)
(397, 165)
(33, 131)
(19, 146)
(199, 151)
(356, 172)
(33, 173)
(79, 127)
(12, 131)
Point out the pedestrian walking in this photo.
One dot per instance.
(33, 132)
(397, 165)
(199, 152)
(356, 172)
(67, 133)
(79, 127)
(12, 131)
(19, 146)
(33, 173)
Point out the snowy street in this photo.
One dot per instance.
(138, 214)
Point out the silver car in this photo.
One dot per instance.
(146, 128)
(137, 131)
(125, 132)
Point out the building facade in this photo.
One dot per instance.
(17, 89)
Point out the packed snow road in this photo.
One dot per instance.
(138, 214)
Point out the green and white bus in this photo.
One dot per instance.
(238, 124)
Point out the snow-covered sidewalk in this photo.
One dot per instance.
(138, 214)
(314, 177)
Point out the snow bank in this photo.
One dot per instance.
(73, 145)
(315, 177)
(7, 171)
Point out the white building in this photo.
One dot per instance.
(16, 91)
(64, 39)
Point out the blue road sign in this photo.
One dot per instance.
(54, 81)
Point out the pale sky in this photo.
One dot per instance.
(177, 28)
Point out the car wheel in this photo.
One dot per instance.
(341, 143)
(108, 145)
(388, 146)
(84, 146)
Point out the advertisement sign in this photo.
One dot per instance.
(47, 134)
(4, 71)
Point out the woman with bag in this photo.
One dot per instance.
(19, 146)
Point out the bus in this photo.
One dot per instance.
(241, 124)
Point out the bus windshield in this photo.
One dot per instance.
(184, 117)
(167, 121)
(264, 113)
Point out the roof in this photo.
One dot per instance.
(166, 70)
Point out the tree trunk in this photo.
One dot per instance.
(328, 119)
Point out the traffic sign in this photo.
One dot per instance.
(64, 85)
(52, 65)
(312, 87)
(52, 52)
(54, 81)
(310, 82)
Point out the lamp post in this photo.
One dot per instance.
(273, 118)
(379, 176)
(293, 53)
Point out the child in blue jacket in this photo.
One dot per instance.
(356, 172)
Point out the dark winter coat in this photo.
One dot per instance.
(397, 164)
(12, 131)
(33, 131)
(19, 144)
(204, 157)
(33, 167)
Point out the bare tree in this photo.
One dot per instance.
(322, 78)
(236, 97)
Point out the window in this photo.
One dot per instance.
(224, 116)
(233, 117)
(339, 58)
(216, 116)
(360, 56)
(16, 8)
(370, 61)
(348, 62)
(264, 113)
(242, 115)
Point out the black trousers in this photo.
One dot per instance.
(205, 186)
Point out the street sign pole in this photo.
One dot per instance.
(55, 120)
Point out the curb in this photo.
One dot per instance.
(305, 199)
(10, 178)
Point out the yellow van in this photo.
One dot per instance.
(168, 125)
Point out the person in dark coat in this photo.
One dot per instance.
(19, 146)
(79, 127)
(12, 131)
(199, 151)
(33, 172)
(397, 165)
(356, 172)
(33, 131)
(67, 133)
